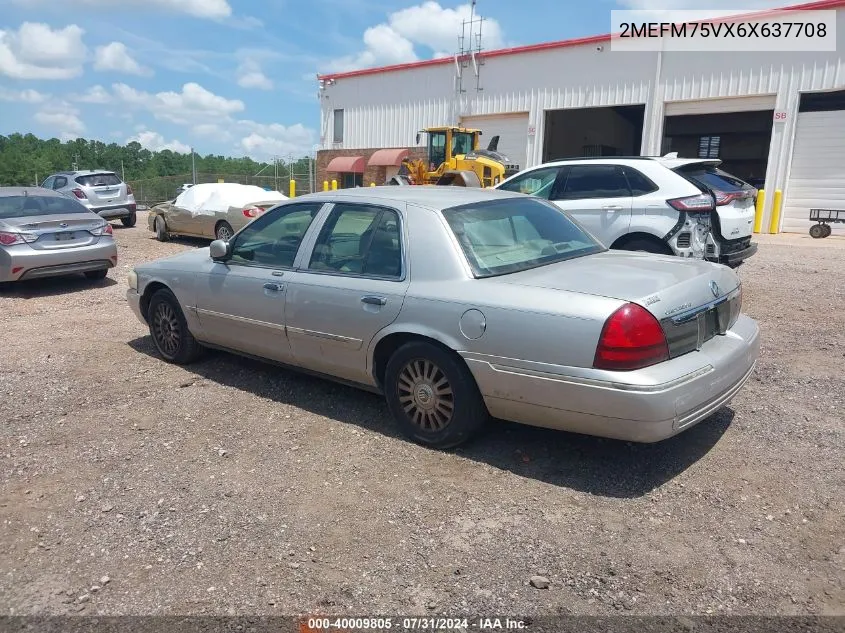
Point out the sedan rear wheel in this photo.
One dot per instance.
(433, 396)
(224, 231)
(169, 329)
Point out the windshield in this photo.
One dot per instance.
(24, 206)
(507, 236)
(713, 178)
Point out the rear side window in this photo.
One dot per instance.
(713, 178)
(639, 183)
(61, 181)
(23, 206)
(98, 180)
(595, 181)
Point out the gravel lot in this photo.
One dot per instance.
(130, 486)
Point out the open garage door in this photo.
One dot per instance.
(512, 130)
(604, 131)
(817, 175)
(720, 128)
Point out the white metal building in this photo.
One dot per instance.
(776, 119)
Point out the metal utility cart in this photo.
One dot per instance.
(822, 217)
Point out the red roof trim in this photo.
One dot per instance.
(593, 39)
(347, 164)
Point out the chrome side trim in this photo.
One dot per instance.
(240, 319)
(603, 384)
(688, 315)
(346, 340)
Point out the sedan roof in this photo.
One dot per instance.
(431, 196)
(29, 191)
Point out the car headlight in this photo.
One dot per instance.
(132, 278)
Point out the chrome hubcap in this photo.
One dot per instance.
(426, 395)
(166, 329)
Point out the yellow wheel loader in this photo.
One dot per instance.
(454, 158)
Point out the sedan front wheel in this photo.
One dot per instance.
(433, 396)
(169, 329)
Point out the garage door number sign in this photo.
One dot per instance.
(780, 116)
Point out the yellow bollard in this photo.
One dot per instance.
(219, 181)
(774, 224)
(758, 213)
(334, 185)
(325, 185)
(372, 184)
(292, 188)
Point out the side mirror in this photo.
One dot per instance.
(219, 250)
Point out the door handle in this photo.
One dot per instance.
(612, 207)
(373, 300)
(274, 287)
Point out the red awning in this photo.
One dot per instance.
(348, 164)
(388, 158)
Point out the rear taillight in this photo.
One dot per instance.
(700, 203)
(631, 339)
(105, 229)
(10, 239)
(253, 212)
(723, 198)
(79, 194)
(128, 190)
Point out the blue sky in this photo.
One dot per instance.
(237, 77)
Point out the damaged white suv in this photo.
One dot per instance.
(676, 206)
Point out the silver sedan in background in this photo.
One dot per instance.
(44, 234)
(461, 304)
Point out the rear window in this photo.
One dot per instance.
(23, 206)
(713, 178)
(98, 180)
(507, 236)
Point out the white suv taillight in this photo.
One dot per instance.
(701, 203)
(631, 339)
(79, 194)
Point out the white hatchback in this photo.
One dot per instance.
(668, 205)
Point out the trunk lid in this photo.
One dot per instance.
(57, 231)
(665, 285)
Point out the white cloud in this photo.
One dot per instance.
(211, 9)
(264, 140)
(36, 51)
(194, 104)
(155, 142)
(61, 117)
(95, 94)
(250, 75)
(115, 56)
(427, 24)
(211, 130)
(23, 96)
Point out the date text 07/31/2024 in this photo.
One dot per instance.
(325, 624)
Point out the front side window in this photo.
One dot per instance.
(272, 240)
(48, 184)
(539, 182)
(507, 236)
(23, 206)
(595, 181)
(359, 239)
(436, 149)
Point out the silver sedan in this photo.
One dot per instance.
(460, 305)
(44, 234)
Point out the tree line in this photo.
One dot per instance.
(26, 159)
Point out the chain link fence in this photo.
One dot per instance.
(152, 191)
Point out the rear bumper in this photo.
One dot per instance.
(111, 212)
(736, 257)
(646, 405)
(22, 262)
